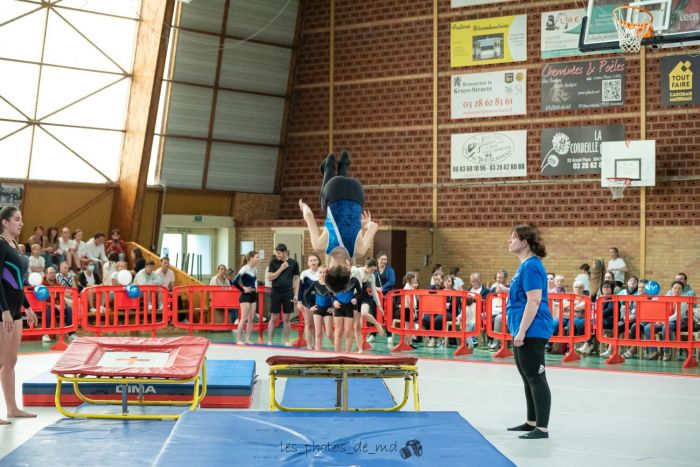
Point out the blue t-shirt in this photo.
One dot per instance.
(529, 276)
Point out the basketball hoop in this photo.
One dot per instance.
(618, 185)
(630, 33)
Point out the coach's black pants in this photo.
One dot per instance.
(529, 358)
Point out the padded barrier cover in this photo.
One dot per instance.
(184, 361)
(339, 360)
(268, 439)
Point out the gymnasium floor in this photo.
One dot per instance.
(598, 417)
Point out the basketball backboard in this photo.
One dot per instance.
(675, 22)
(635, 160)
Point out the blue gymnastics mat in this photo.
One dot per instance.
(72, 441)
(321, 392)
(298, 439)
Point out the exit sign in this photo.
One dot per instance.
(198, 218)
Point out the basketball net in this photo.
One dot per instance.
(631, 33)
(617, 187)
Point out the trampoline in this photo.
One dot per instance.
(129, 361)
(342, 368)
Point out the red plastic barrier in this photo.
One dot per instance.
(571, 307)
(432, 304)
(52, 313)
(494, 301)
(648, 310)
(107, 308)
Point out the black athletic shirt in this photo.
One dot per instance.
(285, 281)
(13, 268)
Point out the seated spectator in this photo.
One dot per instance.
(459, 283)
(115, 244)
(64, 278)
(22, 249)
(550, 281)
(501, 279)
(95, 249)
(628, 314)
(81, 248)
(579, 309)
(436, 268)
(147, 275)
(677, 289)
(89, 277)
(38, 238)
(165, 277)
(607, 314)
(558, 284)
(584, 277)
(68, 248)
(121, 266)
(687, 289)
(499, 286)
(477, 286)
(109, 267)
(220, 277)
(137, 260)
(54, 258)
(36, 261)
(441, 283)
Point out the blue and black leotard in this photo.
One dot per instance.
(13, 268)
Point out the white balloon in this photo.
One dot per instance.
(34, 279)
(124, 277)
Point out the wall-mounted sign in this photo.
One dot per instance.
(560, 33)
(680, 80)
(11, 195)
(576, 150)
(489, 155)
(587, 84)
(490, 94)
(487, 41)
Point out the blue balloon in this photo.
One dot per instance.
(41, 293)
(132, 291)
(652, 288)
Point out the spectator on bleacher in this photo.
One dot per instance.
(687, 289)
(166, 276)
(436, 268)
(441, 282)
(550, 281)
(37, 263)
(584, 277)
(220, 277)
(558, 284)
(609, 277)
(95, 249)
(139, 261)
(51, 247)
(50, 277)
(459, 283)
(38, 238)
(64, 278)
(67, 248)
(677, 289)
(385, 277)
(22, 249)
(147, 275)
(121, 266)
(596, 279)
(80, 248)
(629, 316)
(89, 277)
(115, 244)
(109, 267)
(501, 283)
(617, 265)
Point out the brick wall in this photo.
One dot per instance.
(383, 114)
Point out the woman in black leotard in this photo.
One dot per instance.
(13, 267)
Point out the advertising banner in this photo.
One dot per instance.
(680, 80)
(576, 150)
(489, 155)
(560, 31)
(588, 84)
(463, 3)
(488, 41)
(489, 94)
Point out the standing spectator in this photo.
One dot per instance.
(617, 265)
(307, 278)
(139, 261)
(115, 244)
(584, 277)
(95, 249)
(530, 324)
(36, 261)
(283, 272)
(385, 275)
